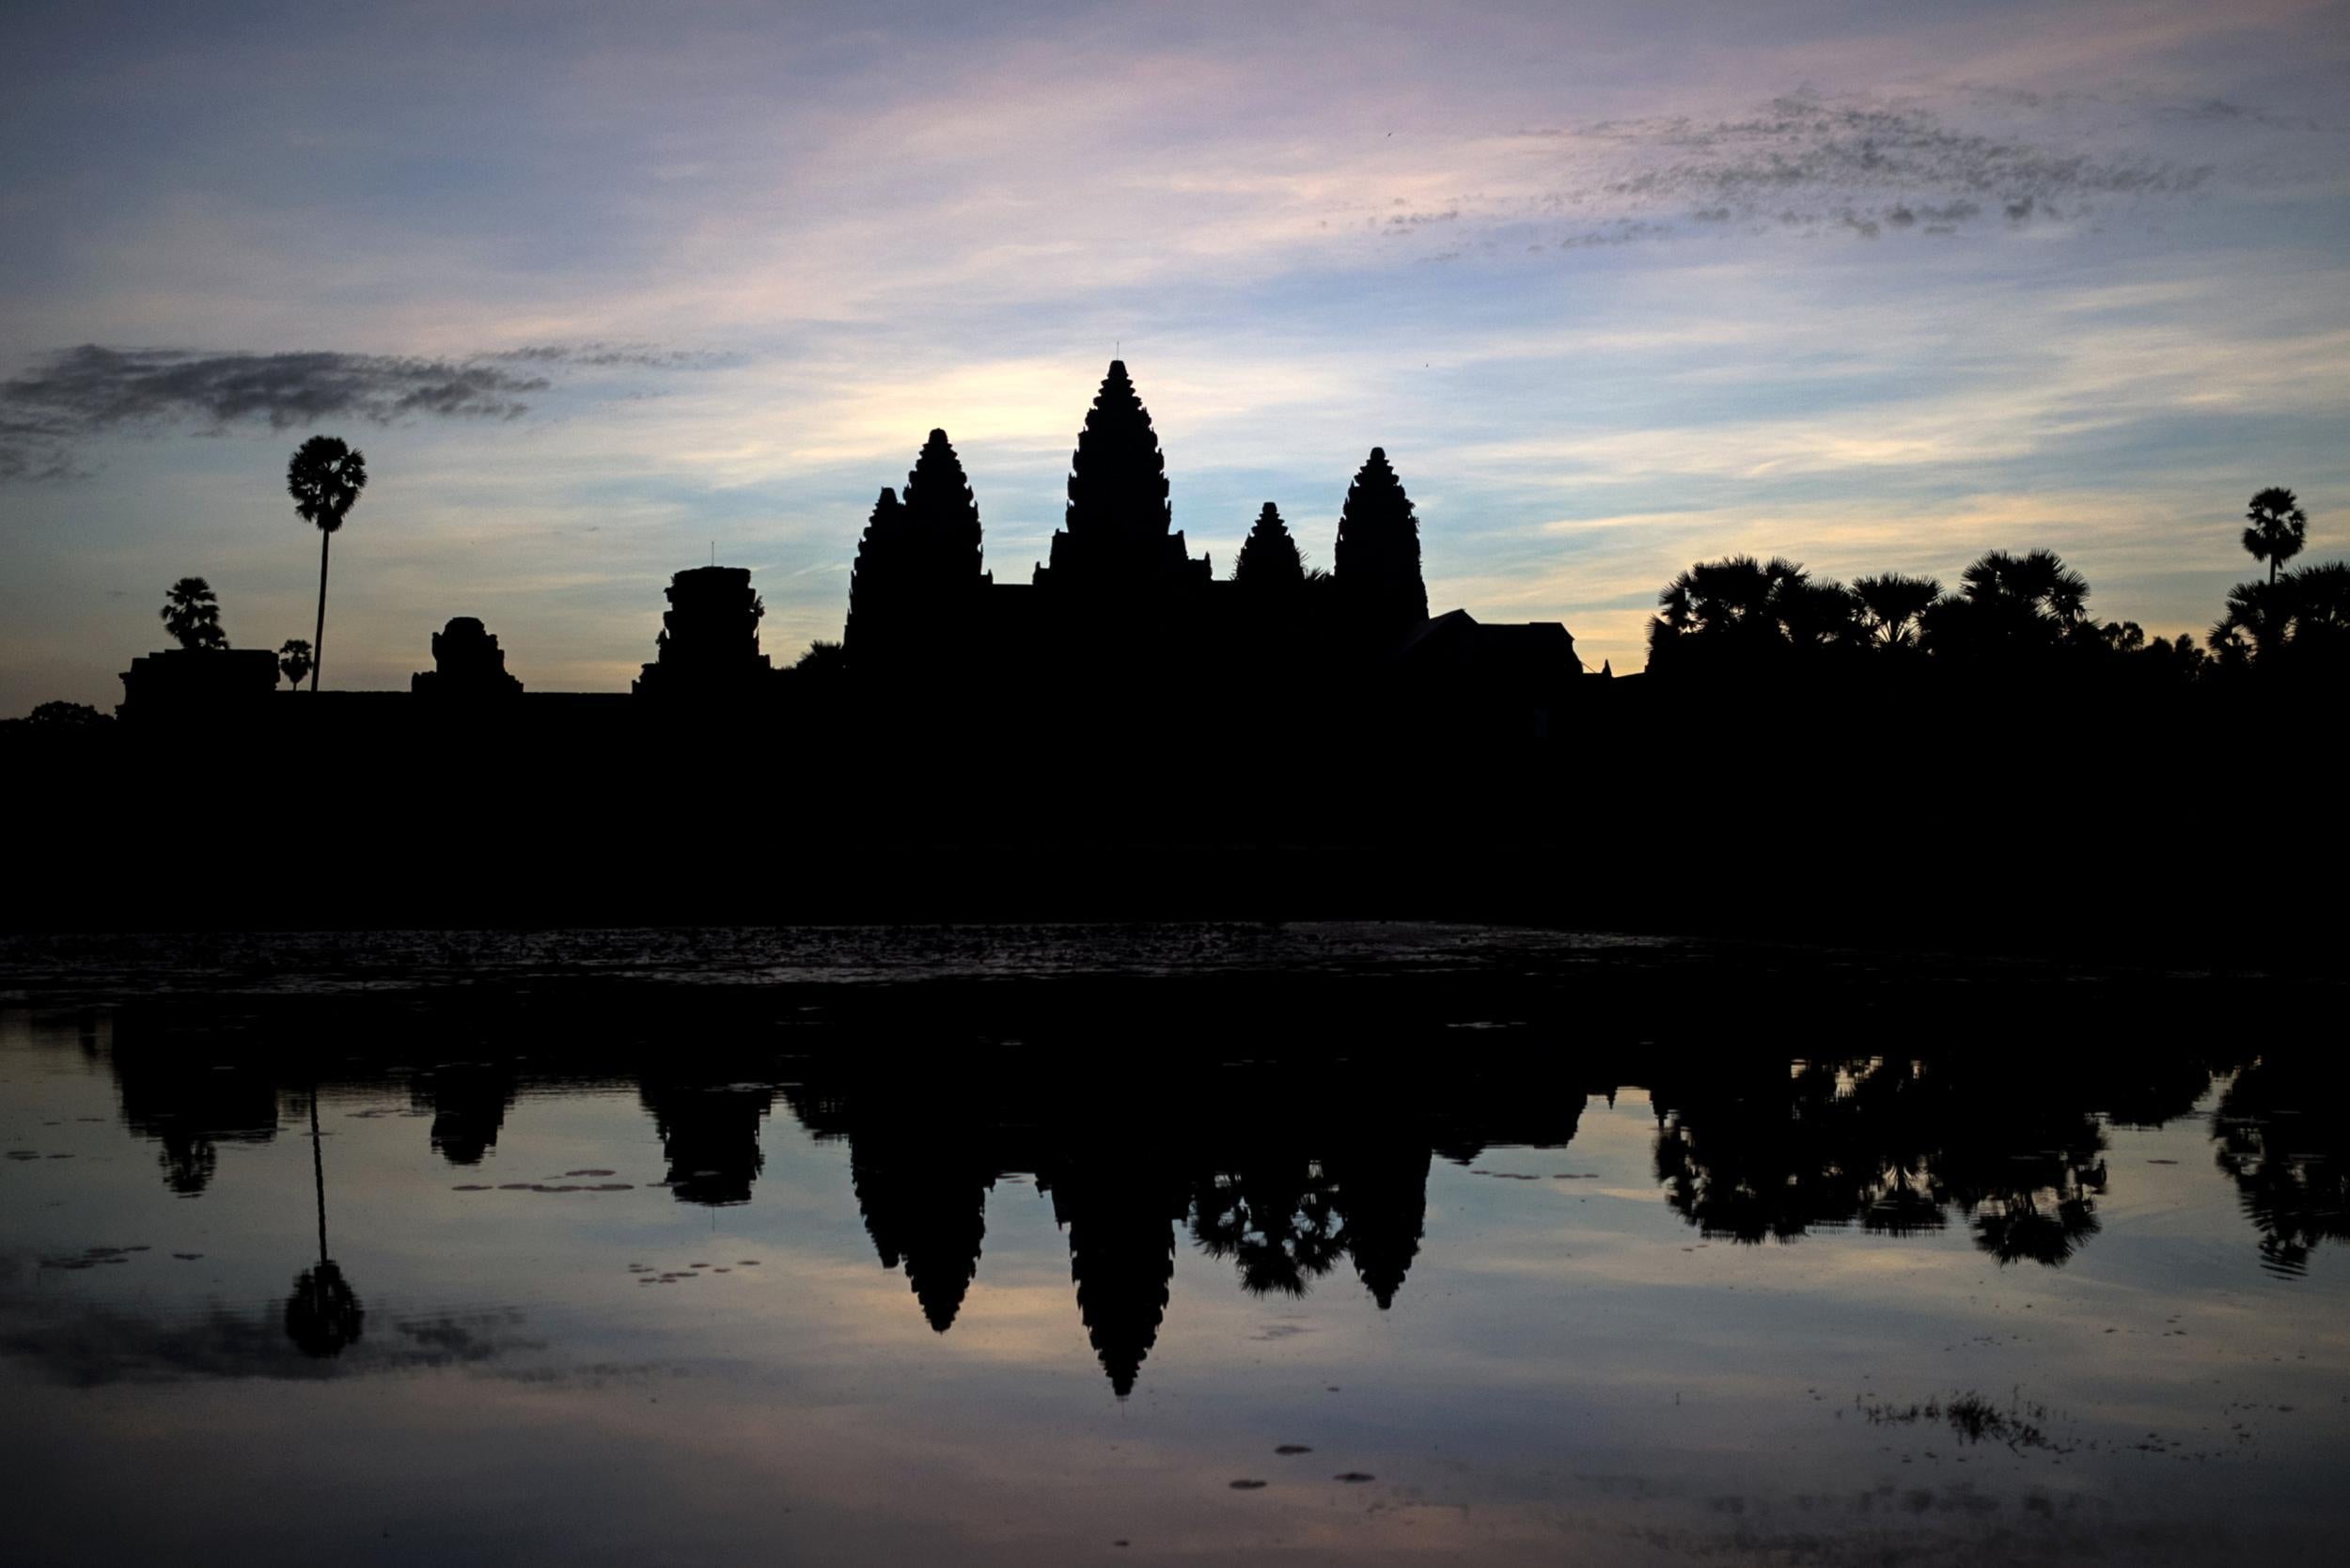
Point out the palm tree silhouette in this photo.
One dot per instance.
(192, 614)
(2276, 528)
(1714, 596)
(1276, 1219)
(324, 478)
(2301, 615)
(1744, 609)
(1893, 606)
(2036, 583)
(2258, 622)
(293, 661)
(2290, 1164)
(2321, 602)
(1815, 613)
(2009, 607)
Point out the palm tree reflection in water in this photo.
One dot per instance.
(324, 1316)
(1754, 1153)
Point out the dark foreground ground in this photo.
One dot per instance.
(2191, 829)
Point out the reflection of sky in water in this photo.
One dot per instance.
(1569, 1365)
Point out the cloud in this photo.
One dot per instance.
(600, 356)
(33, 449)
(2220, 111)
(74, 394)
(1806, 159)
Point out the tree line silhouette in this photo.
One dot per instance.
(2013, 615)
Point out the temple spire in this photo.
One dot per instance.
(943, 519)
(1269, 557)
(1117, 475)
(1117, 528)
(917, 568)
(1377, 554)
(879, 577)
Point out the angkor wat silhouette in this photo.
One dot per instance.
(1126, 733)
(1121, 613)
(1123, 595)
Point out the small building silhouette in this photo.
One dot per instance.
(1498, 678)
(467, 663)
(196, 682)
(709, 642)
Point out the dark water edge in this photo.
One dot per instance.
(1431, 969)
(2155, 923)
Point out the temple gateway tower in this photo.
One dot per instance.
(709, 641)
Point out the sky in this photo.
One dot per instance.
(604, 291)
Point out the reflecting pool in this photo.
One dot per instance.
(1316, 1245)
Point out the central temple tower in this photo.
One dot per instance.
(1118, 535)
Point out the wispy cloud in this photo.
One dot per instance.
(71, 395)
(1806, 159)
(600, 356)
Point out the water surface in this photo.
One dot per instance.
(1310, 1244)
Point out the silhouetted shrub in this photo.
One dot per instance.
(54, 716)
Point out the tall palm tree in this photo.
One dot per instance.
(324, 478)
(191, 613)
(2276, 528)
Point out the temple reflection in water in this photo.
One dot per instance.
(1297, 1175)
